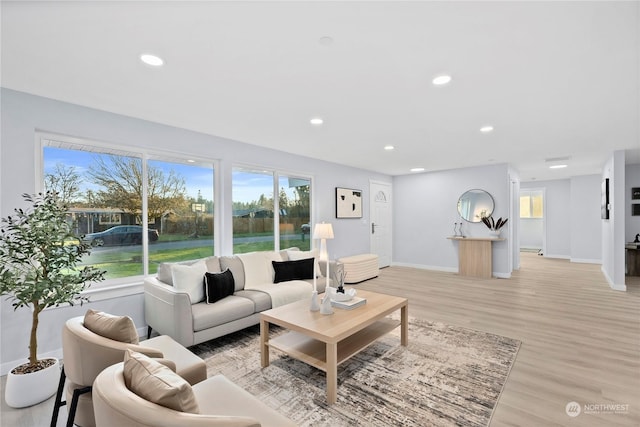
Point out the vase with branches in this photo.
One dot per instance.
(494, 226)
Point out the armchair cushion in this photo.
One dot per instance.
(117, 328)
(190, 279)
(157, 383)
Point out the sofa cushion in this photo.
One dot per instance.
(293, 270)
(117, 328)
(156, 383)
(258, 268)
(315, 254)
(261, 300)
(190, 279)
(234, 264)
(218, 285)
(226, 310)
(164, 268)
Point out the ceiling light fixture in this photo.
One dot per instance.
(389, 147)
(153, 60)
(317, 121)
(486, 129)
(441, 80)
(557, 162)
(417, 169)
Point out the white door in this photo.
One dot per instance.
(380, 227)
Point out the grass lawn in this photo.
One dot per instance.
(127, 261)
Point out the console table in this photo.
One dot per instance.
(475, 256)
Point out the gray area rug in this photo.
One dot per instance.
(446, 376)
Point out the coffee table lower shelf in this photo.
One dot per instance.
(314, 352)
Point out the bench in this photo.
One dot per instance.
(358, 268)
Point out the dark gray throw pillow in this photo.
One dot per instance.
(218, 285)
(301, 269)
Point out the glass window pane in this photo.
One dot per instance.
(252, 193)
(294, 210)
(180, 206)
(525, 207)
(537, 206)
(104, 198)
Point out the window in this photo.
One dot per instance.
(293, 207)
(255, 212)
(531, 204)
(136, 210)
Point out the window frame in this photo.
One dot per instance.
(130, 285)
(276, 174)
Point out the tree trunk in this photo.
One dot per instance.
(33, 342)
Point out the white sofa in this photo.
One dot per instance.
(170, 310)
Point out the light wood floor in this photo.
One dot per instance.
(580, 339)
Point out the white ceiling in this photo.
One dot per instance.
(555, 79)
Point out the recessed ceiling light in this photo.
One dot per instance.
(441, 80)
(326, 40)
(153, 60)
(417, 169)
(557, 166)
(486, 129)
(389, 147)
(316, 121)
(191, 161)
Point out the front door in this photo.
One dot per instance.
(380, 227)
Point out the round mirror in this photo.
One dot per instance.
(475, 205)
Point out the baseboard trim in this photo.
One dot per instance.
(425, 267)
(586, 261)
(557, 256)
(444, 269)
(612, 285)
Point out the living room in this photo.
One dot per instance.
(424, 203)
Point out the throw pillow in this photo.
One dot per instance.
(153, 381)
(257, 267)
(296, 255)
(117, 328)
(188, 278)
(293, 270)
(218, 285)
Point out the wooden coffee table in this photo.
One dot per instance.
(325, 341)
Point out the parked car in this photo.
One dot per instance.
(119, 235)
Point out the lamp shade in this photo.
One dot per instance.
(323, 231)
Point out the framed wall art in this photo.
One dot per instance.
(348, 203)
(604, 204)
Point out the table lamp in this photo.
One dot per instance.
(323, 231)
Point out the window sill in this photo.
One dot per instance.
(114, 291)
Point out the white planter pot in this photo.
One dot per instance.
(28, 389)
(494, 233)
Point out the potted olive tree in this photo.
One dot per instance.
(39, 256)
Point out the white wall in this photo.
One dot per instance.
(531, 233)
(572, 216)
(557, 216)
(613, 229)
(23, 115)
(632, 223)
(586, 240)
(425, 209)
